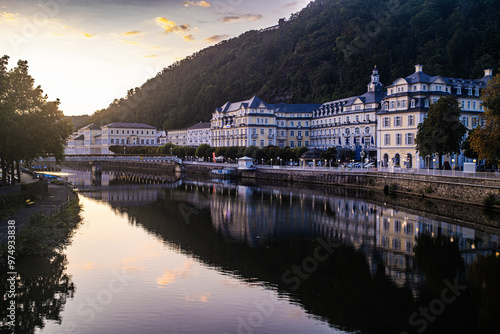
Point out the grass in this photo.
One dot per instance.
(44, 234)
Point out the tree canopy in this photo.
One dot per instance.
(485, 140)
(30, 125)
(441, 132)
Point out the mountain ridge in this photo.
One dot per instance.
(325, 52)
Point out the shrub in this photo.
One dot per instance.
(489, 200)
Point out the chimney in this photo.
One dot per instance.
(418, 68)
(488, 72)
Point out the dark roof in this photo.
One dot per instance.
(91, 126)
(256, 102)
(81, 137)
(130, 126)
(311, 154)
(201, 125)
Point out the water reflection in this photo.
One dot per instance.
(373, 282)
(42, 289)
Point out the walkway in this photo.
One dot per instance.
(58, 195)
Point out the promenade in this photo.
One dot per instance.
(58, 195)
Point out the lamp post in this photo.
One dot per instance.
(290, 162)
(453, 166)
(271, 162)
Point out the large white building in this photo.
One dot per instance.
(406, 105)
(94, 139)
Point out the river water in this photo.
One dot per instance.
(208, 257)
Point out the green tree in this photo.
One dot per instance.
(202, 151)
(251, 152)
(329, 154)
(31, 126)
(441, 132)
(486, 138)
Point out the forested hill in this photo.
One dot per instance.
(324, 52)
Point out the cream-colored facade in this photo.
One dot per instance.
(177, 137)
(350, 123)
(256, 123)
(407, 102)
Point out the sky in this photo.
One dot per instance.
(89, 52)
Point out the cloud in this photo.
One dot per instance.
(150, 56)
(8, 16)
(131, 33)
(240, 18)
(86, 35)
(167, 25)
(130, 42)
(216, 38)
(170, 26)
(197, 3)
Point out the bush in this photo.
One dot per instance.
(489, 200)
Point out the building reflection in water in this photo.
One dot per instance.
(255, 215)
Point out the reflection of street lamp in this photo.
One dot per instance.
(271, 162)
(123, 150)
(290, 162)
(262, 161)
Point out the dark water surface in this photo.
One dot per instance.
(203, 257)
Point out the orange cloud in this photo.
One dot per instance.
(199, 4)
(188, 38)
(216, 38)
(84, 34)
(131, 33)
(130, 42)
(151, 56)
(167, 25)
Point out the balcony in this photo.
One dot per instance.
(255, 135)
(299, 137)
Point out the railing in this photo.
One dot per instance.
(437, 172)
(79, 158)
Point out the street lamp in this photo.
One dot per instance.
(290, 162)
(271, 162)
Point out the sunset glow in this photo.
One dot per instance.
(89, 52)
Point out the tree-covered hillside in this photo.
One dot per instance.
(324, 52)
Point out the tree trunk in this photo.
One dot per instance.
(3, 166)
(12, 173)
(18, 165)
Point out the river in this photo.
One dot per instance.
(209, 257)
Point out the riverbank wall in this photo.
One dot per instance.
(457, 189)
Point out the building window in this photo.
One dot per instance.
(292, 143)
(409, 138)
(367, 130)
(403, 104)
(398, 139)
(386, 122)
(292, 133)
(426, 103)
(291, 123)
(468, 105)
(397, 121)
(261, 131)
(469, 90)
(112, 141)
(459, 90)
(411, 120)
(474, 105)
(392, 105)
(387, 139)
(261, 143)
(367, 118)
(465, 121)
(307, 143)
(307, 133)
(347, 131)
(347, 119)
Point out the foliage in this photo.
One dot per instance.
(489, 200)
(319, 54)
(486, 138)
(203, 151)
(329, 154)
(441, 132)
(30, 125)
(467, 148)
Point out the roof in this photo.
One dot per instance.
(201, 125)
(130, 126)
(256, 102)
(81, 137)
(311, 154)
(91, 126)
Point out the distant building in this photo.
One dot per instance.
(255, 122)
(406, 105)
(198, 134)
(94, 139)
(351, 122)
(177, 137)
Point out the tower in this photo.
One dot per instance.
(375, 85)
